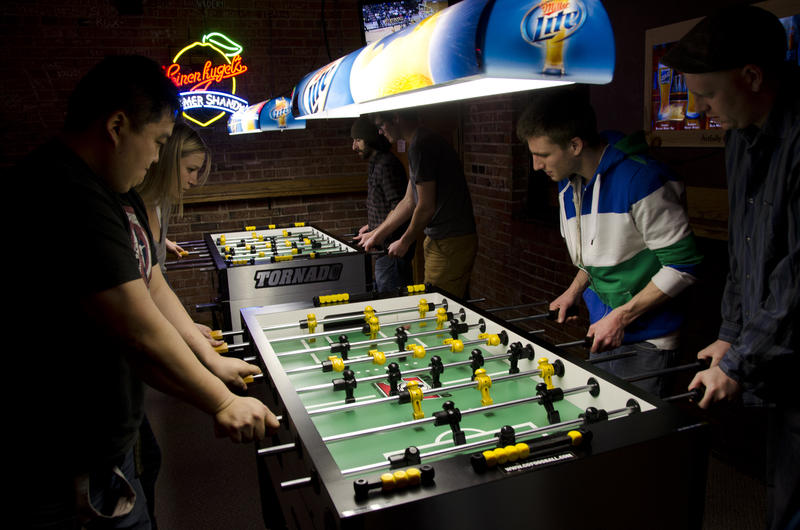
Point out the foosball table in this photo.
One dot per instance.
(420, 410)
(282, 266)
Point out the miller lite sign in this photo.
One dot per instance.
(554, 19)
(559, 41)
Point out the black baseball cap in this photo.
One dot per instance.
(730, 38)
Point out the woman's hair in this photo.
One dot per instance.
(162, 184)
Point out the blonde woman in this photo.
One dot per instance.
(184, 162)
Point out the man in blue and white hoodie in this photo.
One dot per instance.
(626, 228)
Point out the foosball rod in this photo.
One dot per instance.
(219, 335)
(273, 250)
(703, 364)
(551, 314)
(441, 389)
(462, 315)
(189, 264)
(695, 395)
(631, 409)
(343, 318)
(383, 340)
(592, 386)
(510, 307)
(326, 386)
(368, 358)
(250, 237)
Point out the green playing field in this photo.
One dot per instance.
(373, 448)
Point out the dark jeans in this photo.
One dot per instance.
(56, 507)
(392, 273)
(783, 469)
(647, 358)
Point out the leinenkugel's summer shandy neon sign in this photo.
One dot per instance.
(205, 73)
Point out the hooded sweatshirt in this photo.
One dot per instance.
(633, 229)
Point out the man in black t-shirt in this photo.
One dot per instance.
(106, 295)
(437, 202)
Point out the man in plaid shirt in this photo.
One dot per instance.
(386, 185)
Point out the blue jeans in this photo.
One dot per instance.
(647, 358)
(392, 273)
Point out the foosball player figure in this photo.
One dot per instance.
(593, 415)
(506, 436)
(515, 352)
(548, 397)
(410, 457)
(457, 328)
(441, 317)
(476, 361)
(343, 347)
(547, 371)
(437, 367)
(373, 328)
(402, 337)
(450, 415)
(311, 324)
(347, 383)
(415, 396)
(484, 383)
(394, 376)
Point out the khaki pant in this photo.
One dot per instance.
(448, 262)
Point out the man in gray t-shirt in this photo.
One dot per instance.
(437, 203)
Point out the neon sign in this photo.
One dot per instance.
(205, 72)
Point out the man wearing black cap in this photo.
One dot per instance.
(734, 64)
(386, 185)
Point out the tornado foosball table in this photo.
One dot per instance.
(421, 411)
(285, 266)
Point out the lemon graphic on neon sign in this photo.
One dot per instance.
(203, 74)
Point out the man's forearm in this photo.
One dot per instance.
(156, 348)
(579, 283)
(399, 215)
(419, 220)
(171, 307)
(645, 300)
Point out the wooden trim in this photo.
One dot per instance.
(708, 211)
(265, 189)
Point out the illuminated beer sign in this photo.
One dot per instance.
(205, 73)
(553, 19)
(315, 92)
(550, 23)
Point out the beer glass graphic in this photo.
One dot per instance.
(281, 110)
(664, 84)
(554, 54)
(691, 107)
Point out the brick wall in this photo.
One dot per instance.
(49, 44)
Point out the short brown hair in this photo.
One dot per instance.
(559, 115)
